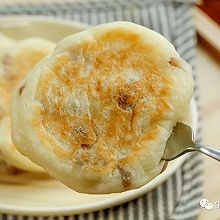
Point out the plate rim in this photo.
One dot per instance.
(120, 198)
(21, 20)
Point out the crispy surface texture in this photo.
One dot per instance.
(97, 113)
(16, 59)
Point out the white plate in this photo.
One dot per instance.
(45, 196)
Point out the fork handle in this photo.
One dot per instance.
(209, 151)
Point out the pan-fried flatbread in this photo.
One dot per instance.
(15, 62)
(97, 113)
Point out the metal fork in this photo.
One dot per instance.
(181, 142)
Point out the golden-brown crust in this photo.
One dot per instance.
(107, 123)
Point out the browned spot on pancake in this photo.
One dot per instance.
(125, 101)
(84, 135)
(174, 62)
(21, 89)
(84, 145)
(126, 177)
